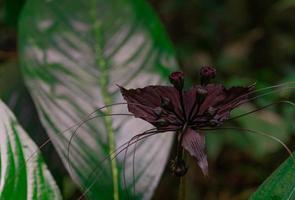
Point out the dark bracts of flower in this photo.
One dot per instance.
(171, 107)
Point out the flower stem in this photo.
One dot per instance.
(181, 156)
(179, 153)
(182, 187)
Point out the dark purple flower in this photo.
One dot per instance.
(172, 108)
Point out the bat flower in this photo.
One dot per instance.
(186, 111)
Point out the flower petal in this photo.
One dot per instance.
(237, 95)
(194, 143)
(215, 95)
(234, 97)
(219, 101)
(147, 103)
(192, 98)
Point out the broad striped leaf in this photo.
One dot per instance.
(18, 179)
(73, 53)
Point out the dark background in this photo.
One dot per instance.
(247, 41)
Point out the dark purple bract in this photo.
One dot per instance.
(187, 111)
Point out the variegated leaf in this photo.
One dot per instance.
(73, 53)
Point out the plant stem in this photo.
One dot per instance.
(182, 187)
(181, 156)
(104, 82)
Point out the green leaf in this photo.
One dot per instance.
(12, 9)
(280, 185)
(72, 55)
(21, 180)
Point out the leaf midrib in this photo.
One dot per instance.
(103, 81)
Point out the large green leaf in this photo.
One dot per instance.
(280, 185)
(73, 53)
(21, 180)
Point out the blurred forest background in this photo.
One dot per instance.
(247, 41)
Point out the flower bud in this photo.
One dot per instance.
(177, 79)
(207, 73)
(178, 168)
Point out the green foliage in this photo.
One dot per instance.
(74, 52)
(12, 9)
(280, 185)
(72, 56)
(21, 179)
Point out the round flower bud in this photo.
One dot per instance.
(178, 168)
(207, 73)
(177, 79)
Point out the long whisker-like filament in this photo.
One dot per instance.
(270, 87)
(79, 126)
(47, 141)
(153, 130)
(273, 87)
(261, 108)
(79, 123)
(124, 174)
(139, 138)
(90, 118)
(113, 155)
(71, 127)
(133, 167)
(124, 164)
(270, 92)
(276, 88)
(256, 132)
